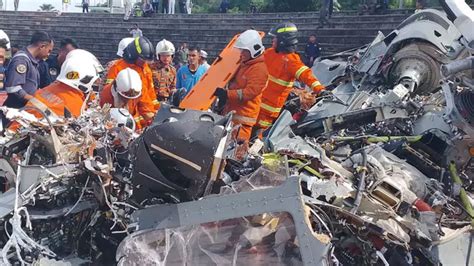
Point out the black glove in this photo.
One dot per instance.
(221, 94)
(325, 94)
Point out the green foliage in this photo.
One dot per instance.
(394, 4)
(46, 8)
(243, 6)
(292, 5)
(206, 6)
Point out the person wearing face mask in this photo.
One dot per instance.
(244, 93)
(124, 93)
(135, 56)
(22, 76)
(164, 74)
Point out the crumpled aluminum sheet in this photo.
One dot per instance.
(397, 170)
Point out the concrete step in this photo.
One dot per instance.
(221, 40)
(262, 16)
(157, 24)
(100, 33)
(118, 33)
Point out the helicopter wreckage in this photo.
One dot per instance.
(377, 172)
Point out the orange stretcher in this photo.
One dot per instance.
(218, 75)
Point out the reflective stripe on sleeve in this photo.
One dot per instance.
(315, 84)
(108, 81)
(264, 123)
(13, 89)
(300, 71)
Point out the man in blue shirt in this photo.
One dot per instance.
(188, 75)
(22, 76)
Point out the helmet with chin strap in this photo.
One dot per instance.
(164, 47)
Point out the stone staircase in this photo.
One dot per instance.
(100, 33)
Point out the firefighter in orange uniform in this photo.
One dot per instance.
(68, 95)
(164, 74)
(135, 56)
(244, 91)
(124, 92)
(284, 66)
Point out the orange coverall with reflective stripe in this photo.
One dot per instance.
(58, 97)
(245, 95)
(54, 100)
(148, 102)
(284, 69)
(132, 104)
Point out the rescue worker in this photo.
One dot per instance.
(124, 92)
(164, 74)
(121, 46)
(284, 67)
(22, 76)
(68, 95)
(244, 93)
(135, 56)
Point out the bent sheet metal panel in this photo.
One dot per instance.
(284, 198)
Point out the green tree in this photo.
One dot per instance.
(206, 6)
(46, 8)
(292, 5)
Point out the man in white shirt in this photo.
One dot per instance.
(203, 60)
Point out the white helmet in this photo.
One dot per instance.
(251, 41)
(122, 44)
(128, 84)
(203, 54)
(164, 47)
(123, 118)
(80, 70)
(3, 35)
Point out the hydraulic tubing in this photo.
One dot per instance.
(462, 193)
(457, 66)
(375, 139)
(361, 186)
